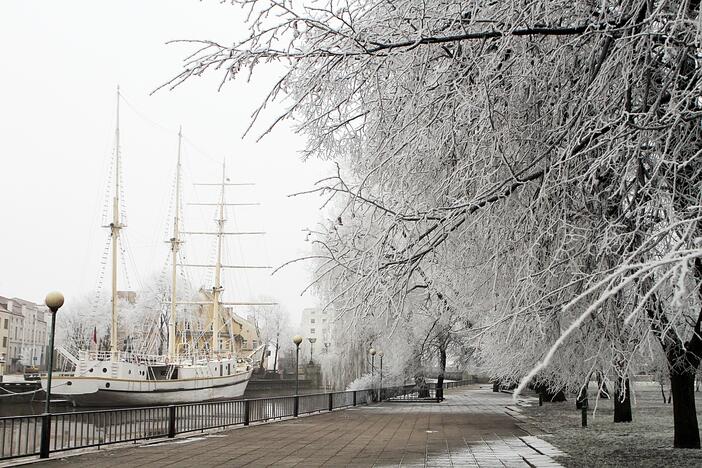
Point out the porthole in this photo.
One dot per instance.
(104, 370)
(107, 385)
(69, 383)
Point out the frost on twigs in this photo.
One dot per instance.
(522, 180)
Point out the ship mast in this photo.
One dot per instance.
(216, 317)
(175, 246)
(217, 289)
(115, 228)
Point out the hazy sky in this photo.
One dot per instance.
(61, 63)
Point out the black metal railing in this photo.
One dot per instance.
(20, 436)
(23, 436)
(429, 392)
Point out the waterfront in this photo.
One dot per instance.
(9, 406)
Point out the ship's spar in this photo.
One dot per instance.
(126, 378)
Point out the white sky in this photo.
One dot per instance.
(61, 62)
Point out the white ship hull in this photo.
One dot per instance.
(143, 384)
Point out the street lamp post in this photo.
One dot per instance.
(381, 354)
(372, 353)
(54, 301)
(312, 341)
(297, 339)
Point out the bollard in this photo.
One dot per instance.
(331, 401)
(296, 405)
(583, 413)
(247, 408)
(541, 400)
(45, 435)
(354, 398)
(171, 421)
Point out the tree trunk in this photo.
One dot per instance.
(582, 397)
(275, 359)
(622, 401)
(549, 395)
(442, 371)
(422, 387)
(263, 357)
(682, 387)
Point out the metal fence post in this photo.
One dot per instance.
(331, 401)
(296, 406)
(171, 421)
(354, 398)
(247, 409)
(45, 435)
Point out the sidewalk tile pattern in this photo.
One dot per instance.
(471, 428)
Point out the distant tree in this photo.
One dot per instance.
(273, 325)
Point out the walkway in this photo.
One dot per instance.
(472, 427)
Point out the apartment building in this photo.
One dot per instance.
(4, 336)
(25, 326)
(317, 323)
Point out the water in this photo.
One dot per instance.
(73, 428)
(8, 407)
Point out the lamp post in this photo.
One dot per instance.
(312, 341)
(297, 339)
(54, 301)
(381, 354)
(372, 353)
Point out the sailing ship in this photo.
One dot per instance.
(186, 373)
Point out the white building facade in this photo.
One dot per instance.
(317, 323)
(27, 334)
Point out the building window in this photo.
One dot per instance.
(7, 323)
(324, 320)
(312, 330)
(311, 320)
(4, 342)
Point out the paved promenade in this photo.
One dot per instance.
(472, 427)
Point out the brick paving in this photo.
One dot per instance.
(473, 427)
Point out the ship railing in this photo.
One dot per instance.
(153, 359)
(41, 435)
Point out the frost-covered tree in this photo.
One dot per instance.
(552, 146)
(273, 326)
(142, 323)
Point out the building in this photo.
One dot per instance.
(317, 323)
(245, 332)
(236, 334)
(129, 297)
(4, 336)
(27, 333)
